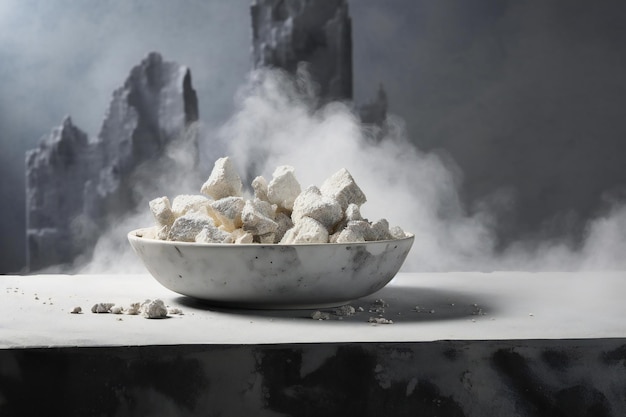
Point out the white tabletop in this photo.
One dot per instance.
(35, 311)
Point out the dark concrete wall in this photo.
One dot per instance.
(548, 378)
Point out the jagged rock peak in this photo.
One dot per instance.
(75, 186)
(375, 111)
(288, 32)
(59, 147)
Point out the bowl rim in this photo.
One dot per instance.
(133, 234)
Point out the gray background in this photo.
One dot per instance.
(525, 101)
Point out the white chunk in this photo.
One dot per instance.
(320, 315)
(345, 310)
(240, 236)
(153, 309)
(259, 185)
(135, 309)
(348, 235)
(186, 203)
(257, 217)
(163, 232)
(224, 181)
(102, 308)
(211, 234)
(353, 231)
(187, 227)
(353, 212)
(379, 230)
(311, 203)
(268, 238)
(162, 211)
(306, 230)
(284, 187)
(284, 223)
(342, 187)
(361, 227)
(227, 211)
(397, 232)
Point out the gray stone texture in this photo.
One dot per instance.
(286, 33)
(448, 378)
(75, 185)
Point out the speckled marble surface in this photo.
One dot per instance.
(35, 311)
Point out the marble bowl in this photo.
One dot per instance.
(271, 276)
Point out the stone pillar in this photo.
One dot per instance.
(288, 32)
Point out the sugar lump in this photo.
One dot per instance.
(188, 226)
(227, 211)
(102, 308)
(162, 211)
(257, 217)
(284, 187)
(311, 203)
(183, 204)
(153, 309)
(224, 181)
(279, 212)
(211, 234)
(259, 185)
(307, 230)
(342, 187)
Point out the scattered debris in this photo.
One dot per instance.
(151, 309)
(477, 311)
(102, 308)
(174, 310)
(320, 315)
(135, 309)
(345, 310)
(154, 309)
(378, 306)
(379, 320)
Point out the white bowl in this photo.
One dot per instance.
(271, 275)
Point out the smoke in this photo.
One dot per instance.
(522, 94)
(278, 122)
(174, 173)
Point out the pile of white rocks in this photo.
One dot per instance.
(280, 211)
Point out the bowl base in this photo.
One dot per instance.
(270, 306)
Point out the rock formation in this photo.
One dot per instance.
(75, 186)
(375, 111)
(318, 34)
(288, 32)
